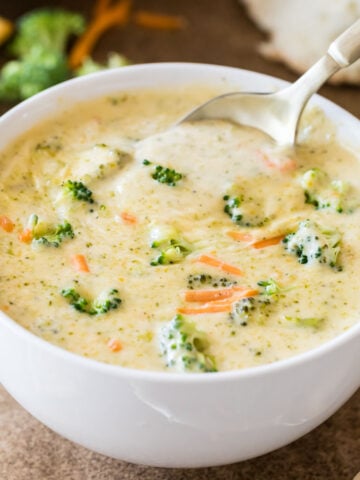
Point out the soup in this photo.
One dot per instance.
(197, 248)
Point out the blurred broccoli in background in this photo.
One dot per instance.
(40, 50)
(40, 44)
(89, 65)
(20, 79)
(48, 29)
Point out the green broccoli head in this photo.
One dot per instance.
(52, 236)
(256, 308)
(324, 193)
(102, 304)
(48, 28)
(243, 210)
(204, 280)
(40, 45)
(78, 190)
(89, 65)
(20, 79)
(184, 347)
(166, 175)
(312, 244)
(270, 289)
(172, 249)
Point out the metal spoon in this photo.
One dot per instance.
(278, 114)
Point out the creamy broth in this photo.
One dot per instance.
(152, 244)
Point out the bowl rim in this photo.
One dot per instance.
(154, 375)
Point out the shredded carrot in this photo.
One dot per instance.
(268, 242)
(214, 262)
(217, 306)
(128, 218)
(207, 308)
(5, 308)
(248, 292)
(159, 21)
(25, 235)
(211, 295)
(79, 263)
(6, 29)
(240, 236)
(286, 164)
(107, 17)
(6, 224)
(114, 345)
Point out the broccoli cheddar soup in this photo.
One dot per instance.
(197, 248)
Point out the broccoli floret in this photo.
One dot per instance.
(270, 288)
(256, 308)
(184, 347)
(243, 310)
(114, 60)
(48, 28)
(200, 280)
(172, 249)
(324, 193)
(105, 303)
(39, 44)
(75, 299)
(100, 305)
(52, 236)
(312, 243)
(164, 174)
(78, 191)
(20, 79)
(243, 211)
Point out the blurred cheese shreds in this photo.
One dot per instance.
(300, 32)
(6, 29)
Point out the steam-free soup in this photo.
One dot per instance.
(198, 248)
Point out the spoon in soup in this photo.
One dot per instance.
(278, 114)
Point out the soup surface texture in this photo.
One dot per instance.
(197, 248)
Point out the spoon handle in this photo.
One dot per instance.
(342, 52)
(346, 48)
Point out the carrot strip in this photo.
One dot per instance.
(207, 308)
(235, 297)
(5, 308)
(114, 345)
(128, 218)
(159, 21)
(284, 165)
(240, 236)
(6, 29)
(79, 263)
(219, 306)
(268, 242)
(109, 17)
(6, 224)
(25, 235)
(214, 262)
(211, 295)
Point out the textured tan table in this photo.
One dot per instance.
(218, 32)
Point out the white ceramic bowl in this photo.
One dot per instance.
(163, 419)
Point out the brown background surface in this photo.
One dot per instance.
(218, 31)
